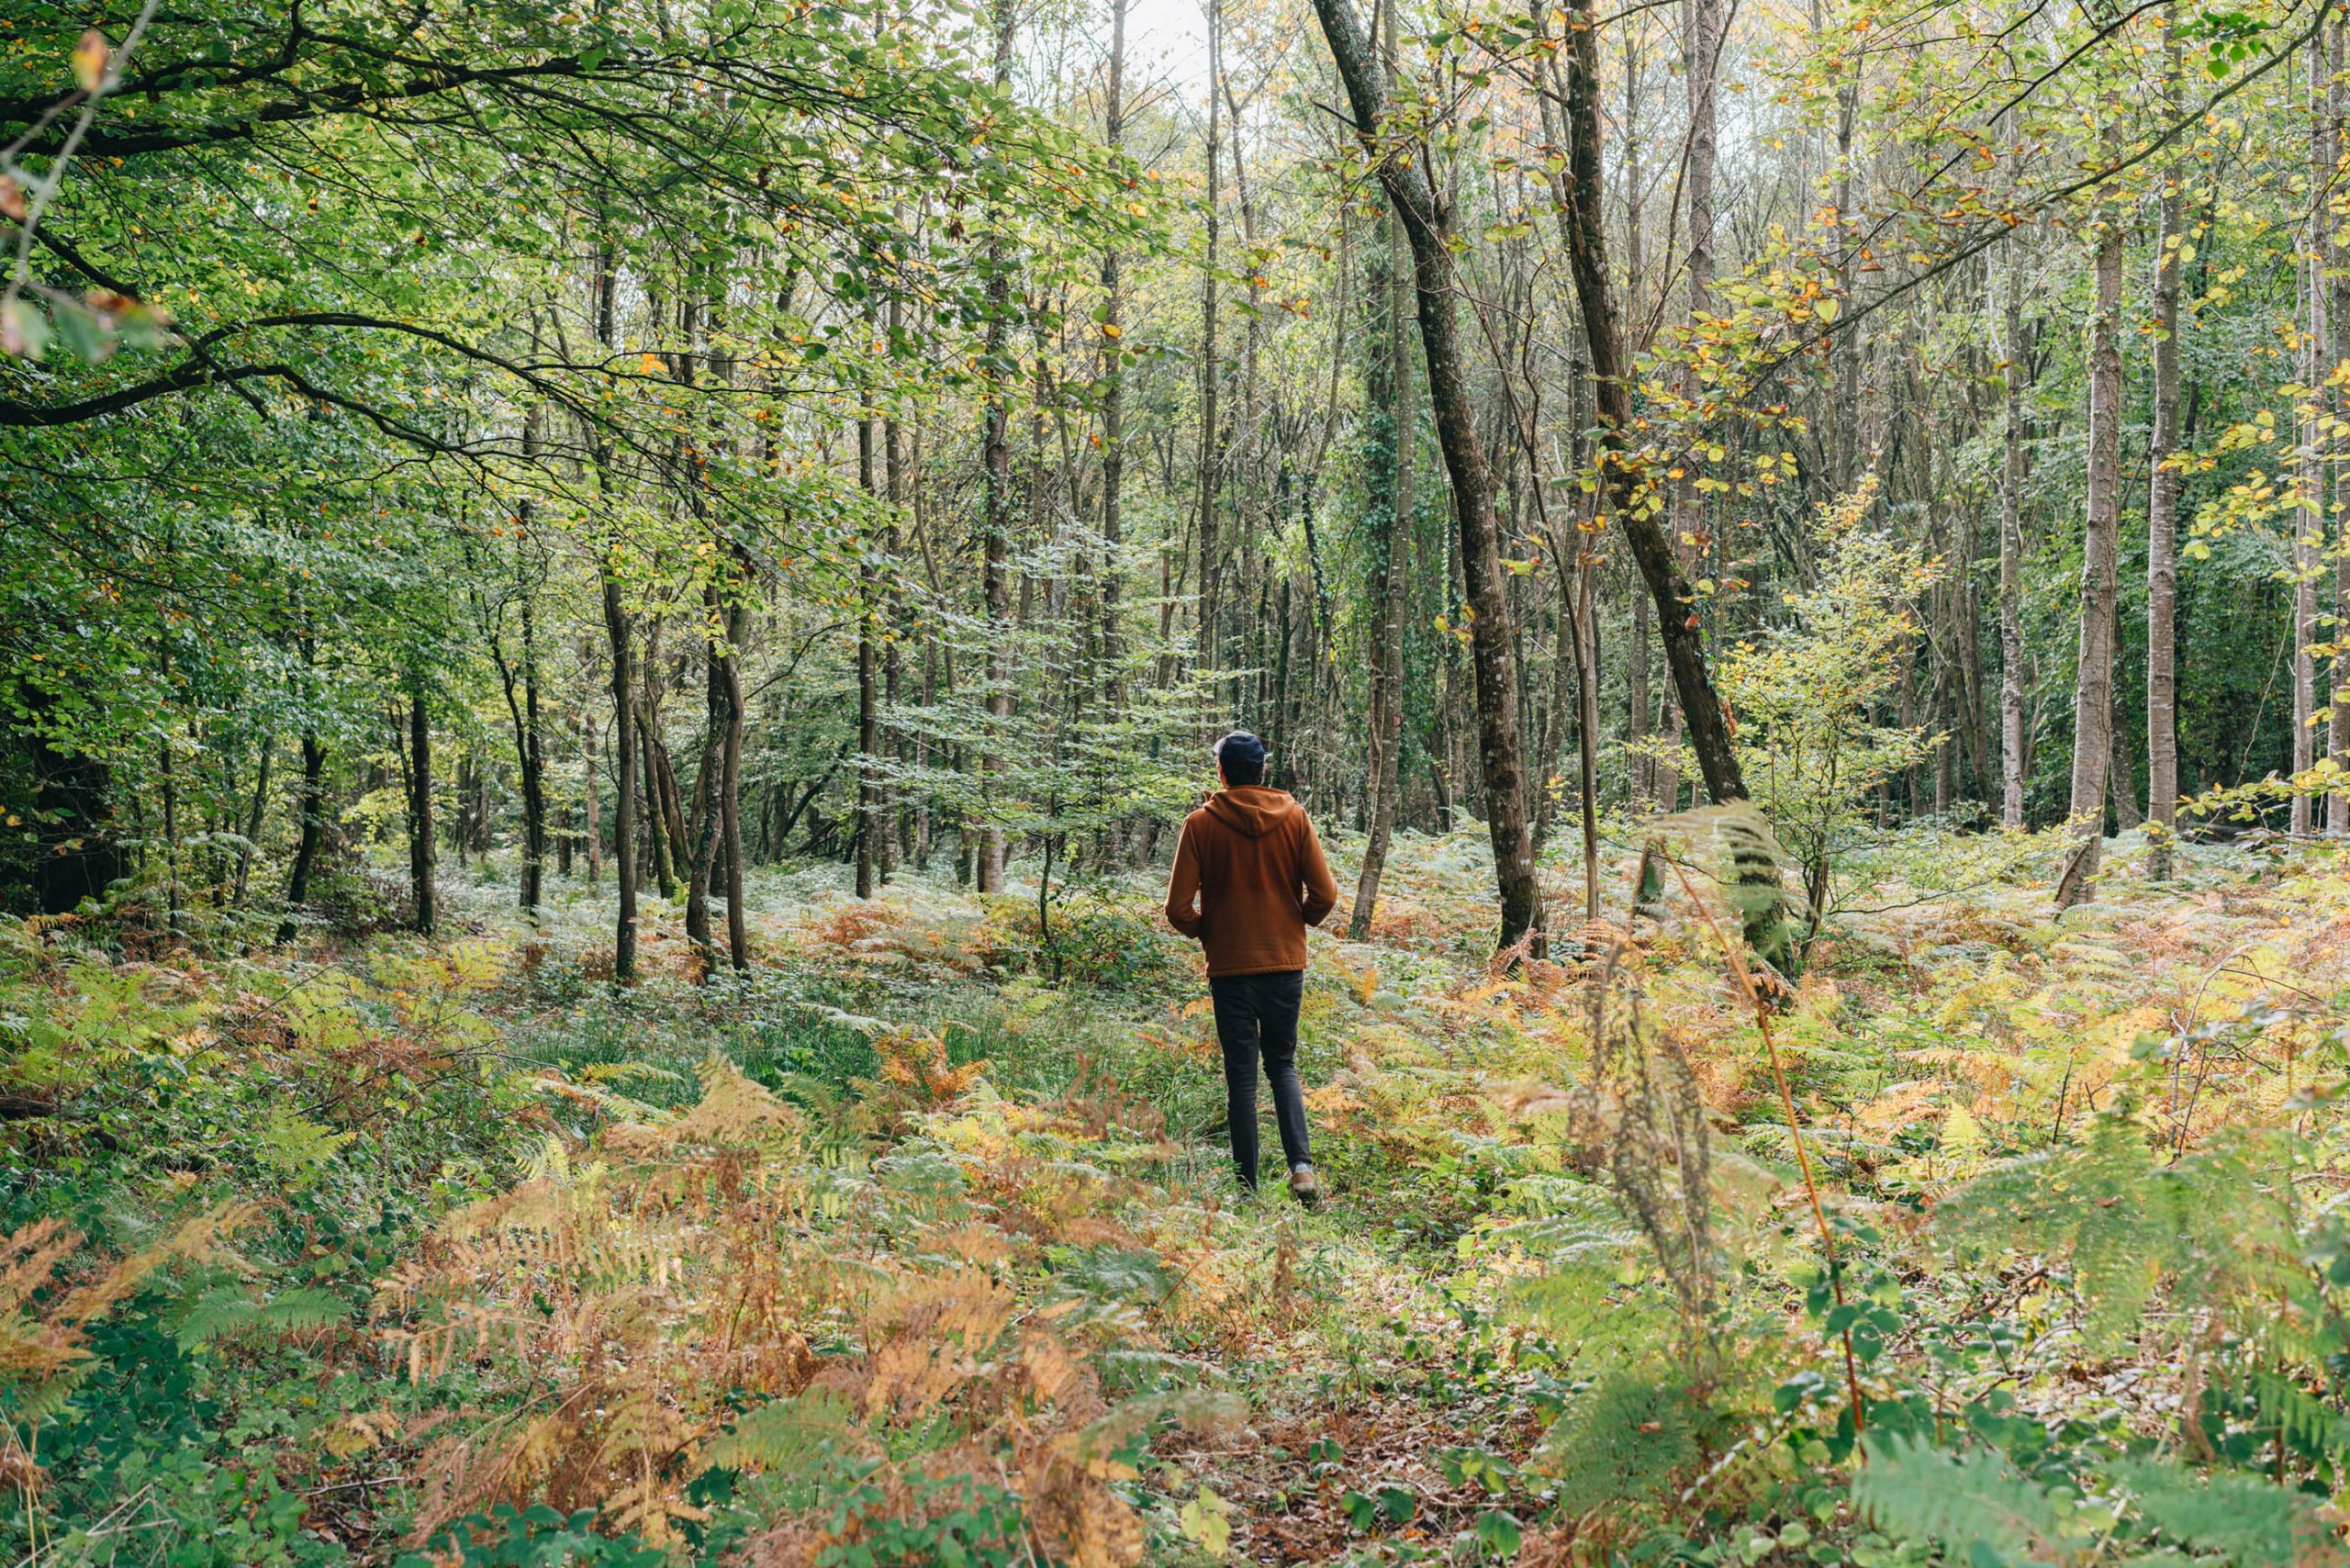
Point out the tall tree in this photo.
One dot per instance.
(995, 523)
(1211, 453)
(1404, 171)
(1113, 395)
(2162, 504)
(2100, 568)
(1706, 726)
(1390, 558)
(2013, 354)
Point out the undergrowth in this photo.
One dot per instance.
(901, 1249)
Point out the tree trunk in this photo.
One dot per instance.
(2337, 729)
(1491, 640)
(870, 828)
(421, 851)
(1702, 59)
(253, 821)
(311, 807)
(2162, 513)
(531, 755)
(2011, 475)
(2309, 527)
(1389, 578)
(591, 807)
(728, 671)
(996, 520)
(624, 756)
(1113, 409)
(1699, 705)
(1211, 448)
(2093, 683)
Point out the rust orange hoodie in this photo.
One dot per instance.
(1249, 861)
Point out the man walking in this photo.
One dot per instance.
(1249, 878)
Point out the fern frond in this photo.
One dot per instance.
(1625, 1439)
(795, 1438)
(1912, 1489)
(2249, 1520)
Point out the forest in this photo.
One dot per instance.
(609, 617)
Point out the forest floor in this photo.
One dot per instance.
(899, 1248)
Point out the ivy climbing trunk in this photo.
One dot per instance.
(1389, 571)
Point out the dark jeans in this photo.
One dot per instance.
(1257, 1015)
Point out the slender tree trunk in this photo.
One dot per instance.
(1702, 54)
(311, 806)
(2093, 683)
(1113, 402)
(421, 850)
(253, 821)
(1211, 454)
(591, 805)
(729, 672)
(2336, 351)
(1640, 778)
(2011, 477)
(2337, 729)
(623, 756)
(531, 753)
(1491, 640)
(1700, 706)
(996, 520)
(658, 836)
(707, 869)
(870, 828)
(2162, 510)
(1389, 578)
(2309, 526)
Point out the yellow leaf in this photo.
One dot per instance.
(90, 58)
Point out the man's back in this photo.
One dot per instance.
(1251, 860)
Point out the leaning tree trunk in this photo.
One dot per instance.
(1706, 726)
(2093, 685)
(1406, 177)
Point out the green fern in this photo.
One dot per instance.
(2250, 1521)
(1912, 1489)
(2215, 1231)
(2311, 1426)
(798, 1439)
(1627, 1438)
(226, 1312)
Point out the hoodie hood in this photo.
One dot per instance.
(1250, 808)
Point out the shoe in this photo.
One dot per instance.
(1306, 1186)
